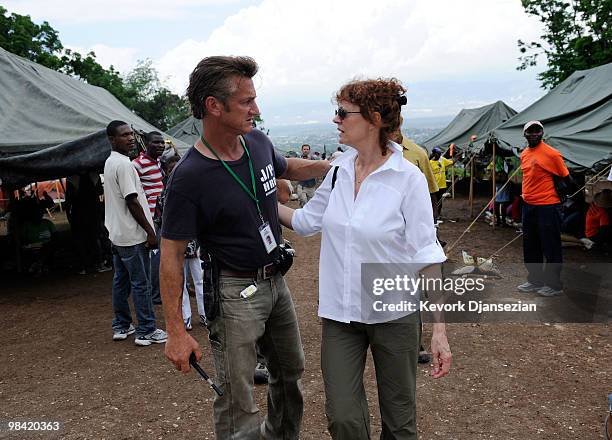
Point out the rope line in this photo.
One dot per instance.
(451, 247)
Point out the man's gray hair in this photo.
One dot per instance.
(213, 77)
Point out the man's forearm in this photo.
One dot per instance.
(171, 285)
(303, 169)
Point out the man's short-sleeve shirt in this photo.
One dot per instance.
(309, 183)
(418, 156)
(596, 217)
(151, 178)
(121, 180)
(539, 164)
(37, 234)
(439, 169)
(203, 201)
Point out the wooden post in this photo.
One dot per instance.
(13, 229)
(453, 181)
(57, 190)
(493, 178)
(472, 187)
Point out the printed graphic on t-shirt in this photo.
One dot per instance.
(268, 179)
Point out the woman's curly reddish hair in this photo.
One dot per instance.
(382, 95)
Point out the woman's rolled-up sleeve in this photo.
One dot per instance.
(420, 230)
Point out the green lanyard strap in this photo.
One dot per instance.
(253, 194)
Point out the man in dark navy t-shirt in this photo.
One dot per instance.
(223, 192)
(210, 203)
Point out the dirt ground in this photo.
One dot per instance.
(508, 381)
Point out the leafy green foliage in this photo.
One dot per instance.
(39, 43)
(151, 100)
(90, 71)
(141, 90)
(577, 36)
(259, 123)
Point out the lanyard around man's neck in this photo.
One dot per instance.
(253, 194)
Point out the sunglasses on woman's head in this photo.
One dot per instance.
(342, 113)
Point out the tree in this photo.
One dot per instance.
(577, 36)
(164, 109)
(39, 43)
(90, 71)
(141, 90)
(143, 80)
(259, 123)
(151, 100)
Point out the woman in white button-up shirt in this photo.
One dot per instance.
(376, 210)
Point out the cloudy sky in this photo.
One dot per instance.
(450, 54)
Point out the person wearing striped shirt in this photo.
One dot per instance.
(148, 168)
(149, 171)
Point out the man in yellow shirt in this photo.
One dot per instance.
(418, 156)
(438, 165)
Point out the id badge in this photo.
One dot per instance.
(267, 237)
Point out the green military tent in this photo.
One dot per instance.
(577, 119)
(53, 125)
(469, 122)
(188, 130)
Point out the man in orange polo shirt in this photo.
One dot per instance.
(597, 226)
(541, 213)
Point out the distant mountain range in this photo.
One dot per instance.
(324, 136)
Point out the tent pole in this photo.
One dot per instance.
(453, 181)
(451, 148)
(57, 190)
(13, 229)
(494, 213)
(472, 188)
(64, 190)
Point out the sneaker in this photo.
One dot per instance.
(103, 268)
(261, 374)
(188, 324)
(122, 334)
(588, 244)
(203, 321)
(157, 337)
(549, 291)
(528, 287)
